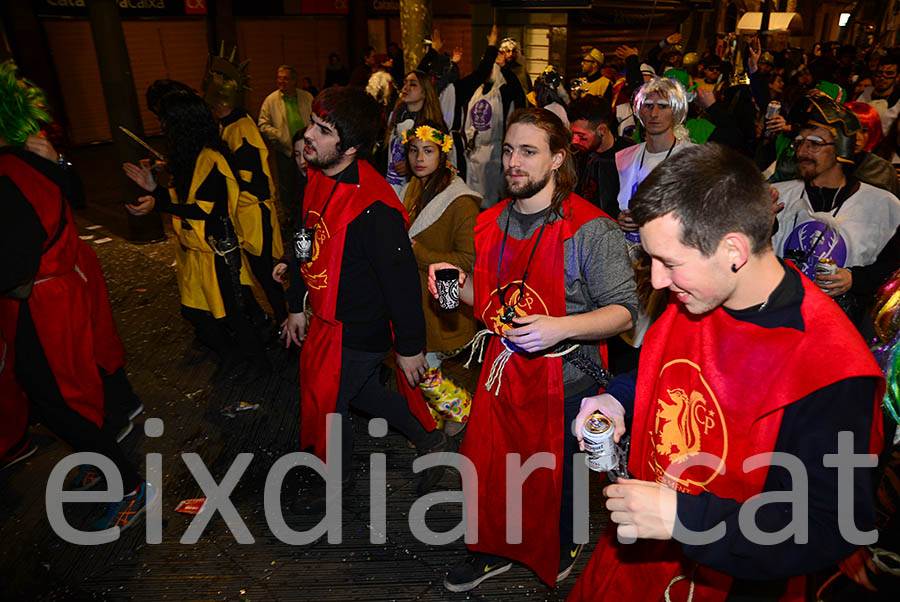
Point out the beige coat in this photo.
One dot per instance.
(273, 123)
(451, 238)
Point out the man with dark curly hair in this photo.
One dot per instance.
(362, 284)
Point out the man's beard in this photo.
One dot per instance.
(526, 189)
(324, 160)
(807, 170)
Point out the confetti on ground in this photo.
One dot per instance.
(94, 227)
(86, 236)
(241, 407)
(191, 506)
(100, 241)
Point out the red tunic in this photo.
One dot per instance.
(526, 417)
(717, 385)
(68, 303)
(320, 356)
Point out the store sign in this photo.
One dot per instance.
(127, 8)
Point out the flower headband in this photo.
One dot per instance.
(426, 132)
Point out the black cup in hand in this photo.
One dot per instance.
(447, 281)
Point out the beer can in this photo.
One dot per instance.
(597, 434)
(826, 266)
(771, 111)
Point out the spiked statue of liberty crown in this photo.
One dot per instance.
(226, 80)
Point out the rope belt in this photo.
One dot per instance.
(496, 373)
(676, 579)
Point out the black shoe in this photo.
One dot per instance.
(198, 352)
(475, 569)
(567, 557)
(314, 499)
(431, 476)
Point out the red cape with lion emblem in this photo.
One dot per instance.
(526, 418)
(320, 356)
(717, 385)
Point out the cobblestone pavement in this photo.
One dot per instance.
(36, 564)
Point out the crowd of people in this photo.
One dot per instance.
(689, 245)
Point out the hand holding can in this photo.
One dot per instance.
(447, 282)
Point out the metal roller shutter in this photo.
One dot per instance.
(174, 49)
(303, 42)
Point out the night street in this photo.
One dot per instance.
(39, 565)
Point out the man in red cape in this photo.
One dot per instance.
(749, 358)
(552, 279)
(362, 285)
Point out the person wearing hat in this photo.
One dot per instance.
(829, 214)
(597, 84)
(668, 53)
(255, 217)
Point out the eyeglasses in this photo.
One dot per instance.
(816, 143)
(886, 75)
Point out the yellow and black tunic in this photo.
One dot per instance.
(255, 180)
(213, 191)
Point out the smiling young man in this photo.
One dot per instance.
(730, 371)
(363, 286)
(552, 280)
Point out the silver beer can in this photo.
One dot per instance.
(597, 434)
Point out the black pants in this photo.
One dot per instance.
(261, 266)
(213, 333)
(360, 390)
(119, 400)
(34, 375)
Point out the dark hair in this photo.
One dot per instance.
(355, 115)
(158, 89)
(558, 138)
(890, 59)
(190, 127)
(711, 190)
(593, 109)
(289, 69)
(441, 177)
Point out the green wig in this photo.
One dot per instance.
(22, 106)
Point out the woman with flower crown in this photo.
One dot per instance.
(442, 214)
(418, 102)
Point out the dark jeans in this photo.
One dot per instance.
(361, 390)
(261, 266)
(36, 378)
